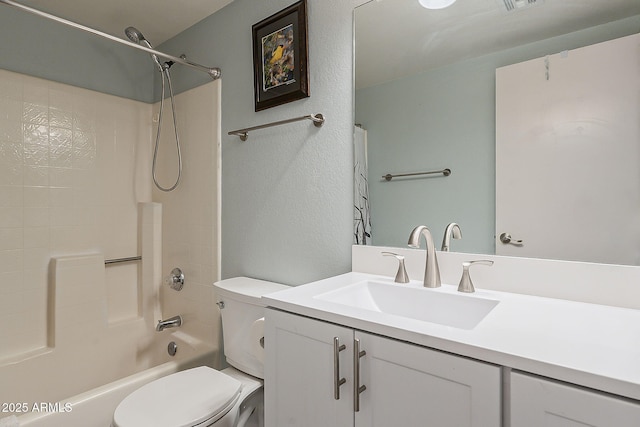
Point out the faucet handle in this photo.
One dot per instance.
(175, 280)
(466, 285)
(401, 275)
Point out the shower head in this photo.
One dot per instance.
(136, 36)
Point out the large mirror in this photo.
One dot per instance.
(426, 96)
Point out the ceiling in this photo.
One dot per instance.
(158, 20)
(397, 38)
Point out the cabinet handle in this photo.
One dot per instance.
(357, 388)
(337, 381)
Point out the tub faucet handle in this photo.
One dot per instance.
(401, 275)
(466, 285)
(175, 280)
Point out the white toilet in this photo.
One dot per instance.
(203, 396)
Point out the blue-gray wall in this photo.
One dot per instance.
(38, 47)
(286, 191)
(445, 118)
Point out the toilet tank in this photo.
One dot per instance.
(242, 313)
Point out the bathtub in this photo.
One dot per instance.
(94, 408)
(97, 341)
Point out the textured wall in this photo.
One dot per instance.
(287, 191)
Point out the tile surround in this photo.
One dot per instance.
(73, 166)
(191, 222)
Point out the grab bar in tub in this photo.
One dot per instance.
(119, 260)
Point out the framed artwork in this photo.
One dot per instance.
(280, 57)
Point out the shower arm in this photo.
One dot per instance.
(214, 73)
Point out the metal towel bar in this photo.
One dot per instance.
(389, 177)
(317, 119)
(119, 260)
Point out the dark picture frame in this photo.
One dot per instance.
(280, 57)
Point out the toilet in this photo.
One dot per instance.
(203, 396)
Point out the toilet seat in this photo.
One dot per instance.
(195, 397)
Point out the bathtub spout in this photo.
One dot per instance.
(173, 322)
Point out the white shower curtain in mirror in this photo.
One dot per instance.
(361, 208)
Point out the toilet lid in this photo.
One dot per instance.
(184, 399)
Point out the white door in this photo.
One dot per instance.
(411, 386)
(568, 154)
(540, 403)
(299, 372)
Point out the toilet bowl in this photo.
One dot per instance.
(203, 396)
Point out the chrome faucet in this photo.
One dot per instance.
(431, 270)
(452, 230)
(173, 322)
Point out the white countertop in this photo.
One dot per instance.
(591, 345)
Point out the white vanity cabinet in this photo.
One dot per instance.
(299, 372)
(404, 384)
(537, 402)
(409, 385)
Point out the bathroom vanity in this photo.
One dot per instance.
(404, 384)
(357, 349)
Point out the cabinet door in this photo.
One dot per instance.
(536, 402)
(299, 372)
(408, 385)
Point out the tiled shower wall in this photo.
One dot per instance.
(190, 214)
(73, 166)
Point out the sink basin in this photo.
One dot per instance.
(428, 305)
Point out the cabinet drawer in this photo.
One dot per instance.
(537, 402)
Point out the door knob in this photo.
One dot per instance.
(506, 239)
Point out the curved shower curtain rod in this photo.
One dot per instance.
(215, 73)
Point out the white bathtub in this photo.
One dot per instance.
(94, 408)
